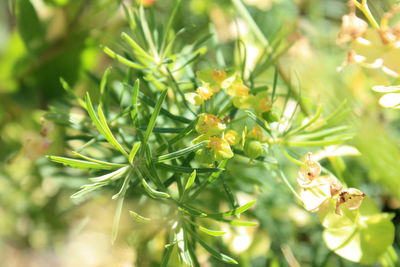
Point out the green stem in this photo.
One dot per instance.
(284, 178)
(367, 12)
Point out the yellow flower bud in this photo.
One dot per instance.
(221, 148)
(237, 88)
(256, 133)
(232, 137)
(263, 103)
(194, 99)
(204, 92)
(209, 124)
(219, 75)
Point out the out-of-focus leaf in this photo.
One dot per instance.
(118, 210)
(365, 240)
(213, 252)
(29, 25)
(181, 241)
(138, 217)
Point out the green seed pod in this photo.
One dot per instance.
(253, 148)
(204, 156)
(271, 116)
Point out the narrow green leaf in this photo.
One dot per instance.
(181, 135)
(87, 189)
(69, 91)
(192, 211)
(115, 175)
(213, 252)
(236, 211)
(274, 85)
(323, 133)
(122, 59)
(163, 130)
(260, 122)
(181, 241)
(104, 80)
(243, 223)
(167, 255)
(92, 114)
(118, 210)
(169, 25)
(109, 136)
(211, 232)
(189, 183)
(136, 47)
(138, 217)
(154, 193)
(181, 152)
(135, 93)
(190, 180)
(114, 165)
(163, 111)
(311, 121)
(154, 116)
(129, 17)
(332, 140)
(102, 126)
(83, 164)
(183, 169)
(135, 148)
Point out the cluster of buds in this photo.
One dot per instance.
(211, 128)
(211, 83)
(317, 191)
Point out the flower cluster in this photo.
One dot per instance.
(212, 81)
(317, 191)
(377, 47)
(211, 128)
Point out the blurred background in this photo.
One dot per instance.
(43, 40)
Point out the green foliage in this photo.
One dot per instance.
(189, 129)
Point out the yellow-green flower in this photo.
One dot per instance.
(194, 99)
(262, 103)
(235, 87)
(232, 137)
(221, 148)
(209, 125)
(256, 133)
(204, 92)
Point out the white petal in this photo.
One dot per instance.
(391, 100)
(386, 89)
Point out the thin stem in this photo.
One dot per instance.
(295, 161)
(284, 178)
(363, 6)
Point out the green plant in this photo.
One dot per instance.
(215, 117)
